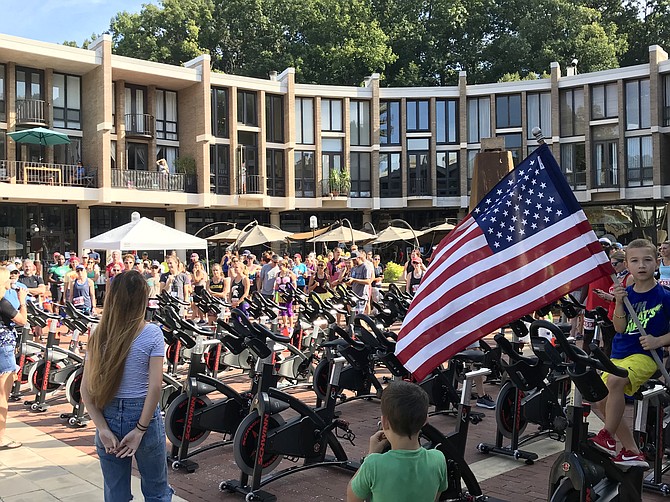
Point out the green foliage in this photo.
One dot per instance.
(345, 181)
(185, 164)
(409, 42)
(392, 272)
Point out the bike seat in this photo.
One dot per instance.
(470, 356)
(266, 333)
(338, 343)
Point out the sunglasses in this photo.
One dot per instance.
(129, 262)
(320, 265)
(116, 270)
(615, 263)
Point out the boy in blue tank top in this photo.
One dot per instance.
(407, 472)
(631, 351)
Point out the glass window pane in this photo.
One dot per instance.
(336, 115)
(441, 121)
(331, 144)
(545, 114)
(452, 121)
(411, 116)
(308, 121)
(325, 115)
(579, 111)
(353, 123)
(473, 121)
(395, 122)
(598, 102)
(418, 144)
(645, 104)
(423, 115)
(59, 90)
(502, 111)
(533, 112)
(515, 110)
(612, 104)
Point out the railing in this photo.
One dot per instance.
(153, 180)
(140, 124)
(605, 177)
(418, 187)
(328, 189)
(40, 173)
(250, 184)
(30, 111)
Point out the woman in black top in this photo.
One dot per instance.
(8, 317)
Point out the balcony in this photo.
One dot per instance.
(153, 180)
(419, 187)
(140, 125)
(40, 173)
(330, 189)
(30, 112)
(250, 184)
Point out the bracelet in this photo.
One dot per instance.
(141, 427)
(619, 316)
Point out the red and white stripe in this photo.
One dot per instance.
(469, 291)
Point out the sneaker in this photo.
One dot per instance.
(487, 402)
(604, 442)
(627, 458)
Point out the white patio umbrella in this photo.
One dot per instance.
(229, 235)
(392, 234)
(259, 234)
(343, 234)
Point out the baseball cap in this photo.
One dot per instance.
(297, 255)
(354, 254)
(605, 241)
(74, 259)
(80, 267)
(246, 252)
(12, 268)
(155, 263)
(138, 260)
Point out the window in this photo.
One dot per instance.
(331, 160)
(275, 172)
(479, 119)
(30, 105)
(219, 112)
(417, 115)
(112, 154)
(389, 122)
(605, 165)
(248, 174)
(166, 115)
(538, 112)
(508, 111)
(472, 155)
(219, 169)
(113, 107)
(418, 167)
(446, 112)
(136, 121)
(304, 121)
(637, 105)
(3, 109)
(136, 156)
(513, 144)
(639, 167)
(170, 154)
(666, 100)
(3, 146)
(573, 113)
(604, 102)
(390, 175)
(274, 118)
(573, 164)
(359, 123)
(68, 154)
(448, 174)
(305, 181)
(360, 174)
(331, 115)
(246, 108)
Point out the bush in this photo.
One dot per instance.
(392, 272)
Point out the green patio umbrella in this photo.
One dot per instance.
(40, 136)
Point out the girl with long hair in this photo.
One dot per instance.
(121, 387)
(239, 285)
(9, 316)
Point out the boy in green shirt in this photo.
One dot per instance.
(407, 472)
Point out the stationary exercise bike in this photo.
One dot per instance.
(264, 437)
(583, 473)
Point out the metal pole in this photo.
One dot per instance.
(353, 242)
(399, 220)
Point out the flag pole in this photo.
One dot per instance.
(643, 332)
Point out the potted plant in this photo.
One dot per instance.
(334, 182)
(345, 182)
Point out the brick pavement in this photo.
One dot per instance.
(500, 477)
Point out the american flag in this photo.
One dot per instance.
(526, 244)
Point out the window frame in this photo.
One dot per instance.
(505, 109)
(162, 123)
(3, 92)
(360, 187)
(245, 116)
(643, 110)
(610, 161)
(219, 174)
(394, 178)
(575, 172)
(538, 119)
(448, 185)
(606, 91)
(215, 103)
(357, 109)
(276, 185)
(300, 121)
(384, 125)
(327, 125)
(418, 172)
(482, 105)
(418, 105)
(274, 118)
(444, 133)
(647, 170)
(303, 181)
(569, 99)
(136, 145)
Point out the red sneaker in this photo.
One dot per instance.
(627, 458)
(604, 442)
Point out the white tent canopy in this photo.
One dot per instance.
(145, 234)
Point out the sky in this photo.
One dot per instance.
(60, 20)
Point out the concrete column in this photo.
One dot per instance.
(120, 124)
(318, 164)
(288, 78)
(463, 131)
(10, 97)
(83, 227)
(404, 168)
(262, 155)
(180, 224)
(555, 110)
(274, 218)
(656, 56)
(588, 150)
(346, 126)
(150, 109)
(433, 145)
(49, 112)
(374, 135)
(232, 129)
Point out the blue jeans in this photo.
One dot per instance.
(122, 416)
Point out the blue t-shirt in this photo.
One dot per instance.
(299, 270)
(653, 310)
(13, 297)
(135, 381)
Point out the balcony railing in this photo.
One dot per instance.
(140, 125)
(30, 111)
(418, 187)
(41, 173)
(331, 189)
(250, 184)
(153, 180)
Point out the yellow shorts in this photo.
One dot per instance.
(640, 368)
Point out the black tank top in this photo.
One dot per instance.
(319, 284)
(414, 283)
(236, 290)
(216, 287)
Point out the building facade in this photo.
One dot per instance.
(242, 149)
